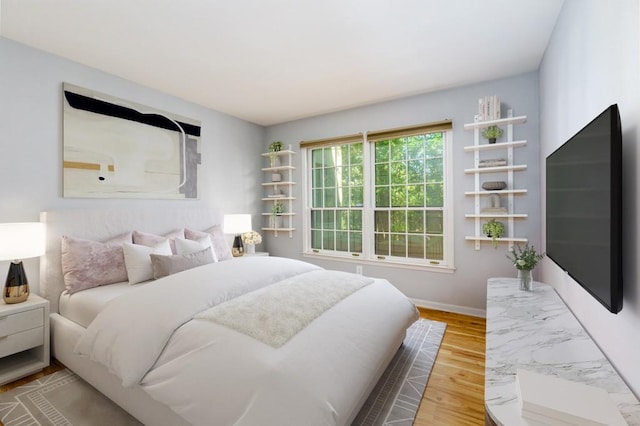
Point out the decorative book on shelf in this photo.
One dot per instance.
(489, 108)
(546, 400)
(493, 162)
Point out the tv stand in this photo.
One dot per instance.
(536, 331)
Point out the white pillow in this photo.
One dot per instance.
(184, 246)
(138, 262)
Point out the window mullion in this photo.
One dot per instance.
(367, 205)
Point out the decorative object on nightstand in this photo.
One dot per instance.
(524, 259)
(237, 224)
(19, 241)
(251, 238)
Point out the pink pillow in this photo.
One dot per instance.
(220, 246)
(150, 240)
(87, 264)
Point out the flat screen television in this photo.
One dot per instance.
(584, 208)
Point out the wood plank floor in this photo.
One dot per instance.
(455, 392)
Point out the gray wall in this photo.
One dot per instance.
(593, 61)
(31, 142)
(465, 289)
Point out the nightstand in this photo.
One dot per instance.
(24, 338)
(258, 253)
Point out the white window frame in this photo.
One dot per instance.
(368, 256)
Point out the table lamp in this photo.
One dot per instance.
(237, 224)
(19, 241)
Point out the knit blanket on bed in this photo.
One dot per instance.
(276, 313)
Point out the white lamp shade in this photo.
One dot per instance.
(21, 240)
(237, 223)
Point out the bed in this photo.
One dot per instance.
(182, 349)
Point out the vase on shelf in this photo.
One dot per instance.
(526, 283)
(275, 221)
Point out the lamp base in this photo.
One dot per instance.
(16, 288)
(237, 249)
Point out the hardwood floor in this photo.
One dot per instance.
(455, 392)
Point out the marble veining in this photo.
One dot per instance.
(535, 331)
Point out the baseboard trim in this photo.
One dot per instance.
(465, 310)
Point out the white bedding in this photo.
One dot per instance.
(83, 306)
(210, 374)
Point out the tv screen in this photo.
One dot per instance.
(584, 208)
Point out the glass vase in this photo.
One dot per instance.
(526, 283)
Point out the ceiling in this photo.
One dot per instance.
(272, 61)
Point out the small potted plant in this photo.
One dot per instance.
(492, 133)
(276, 212)
(494, 230)
(274, 148)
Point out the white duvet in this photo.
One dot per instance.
(213, 375)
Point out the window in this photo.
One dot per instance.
(337, 206)
(381, 197)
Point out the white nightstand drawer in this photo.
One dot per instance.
(21, 341)
(21, 321)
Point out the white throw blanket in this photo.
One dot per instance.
(276, 313)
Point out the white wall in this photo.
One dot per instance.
(465, 289)
(31, 142)
(592, 61)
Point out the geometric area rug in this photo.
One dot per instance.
(64, 399)
(60, 399)
(396, 397)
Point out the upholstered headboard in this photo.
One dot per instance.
(100, 225)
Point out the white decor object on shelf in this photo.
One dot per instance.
(279, 191)
(496, 164)
(489, 108)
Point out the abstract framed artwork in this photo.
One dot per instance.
(114, 148)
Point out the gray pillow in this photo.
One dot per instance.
(164, 265)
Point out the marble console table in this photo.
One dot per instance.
(536, 331)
